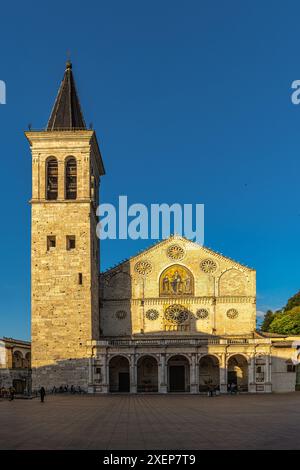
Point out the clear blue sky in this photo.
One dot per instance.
(191, 103)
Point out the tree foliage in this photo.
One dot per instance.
(268, 318)
(286, 323)
(293, 302)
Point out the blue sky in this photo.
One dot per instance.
(191, 103)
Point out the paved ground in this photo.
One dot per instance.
(152, 422)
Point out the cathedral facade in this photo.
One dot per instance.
(176, 318)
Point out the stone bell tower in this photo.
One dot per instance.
(66, 171)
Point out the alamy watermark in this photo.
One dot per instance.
(137, 221)
(2, 92)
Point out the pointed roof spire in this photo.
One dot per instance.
(66, 113)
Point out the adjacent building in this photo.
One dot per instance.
(15, 364)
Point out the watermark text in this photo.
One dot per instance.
(137, 221)
(2, 92)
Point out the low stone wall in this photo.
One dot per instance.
(7, 377)
(65, 373)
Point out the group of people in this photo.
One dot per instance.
(8, 393)
(11, 392)
(66, 389)
(4, 392)
(232, 388)
(213, 390)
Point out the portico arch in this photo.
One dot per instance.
(237, 370)
(178, 374)
(18, 360)
(119, 377)
(209, 373)
(147, 374)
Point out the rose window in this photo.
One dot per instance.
(232, 313)
(152, 314)
(208, 266)
(175, 252)
(176, 314)
(143, 267)
(202, 313)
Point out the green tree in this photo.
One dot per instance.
(268, 318)
(293, 302)
(286, 323)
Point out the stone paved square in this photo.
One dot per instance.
(152, 422)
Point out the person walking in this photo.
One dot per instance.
(12, 392)
(42, 393)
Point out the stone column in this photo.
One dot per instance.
(251, 376)
(61, 179)
(41, 177)
(162, 374)
(267, 370)
(268, 374)
(193, 384)
(83, 176)
(105, 371)
(105, 374)
(223, 374)
(197, 374)
(9, 358)
(91, 365)
(132, 373)
(91, 375)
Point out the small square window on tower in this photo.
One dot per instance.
(71, 242)
(51, 242)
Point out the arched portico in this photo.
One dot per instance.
(147, 374)
(237, 372)
(178, 374)
(119, 377)
(209, 373)
(18, 360)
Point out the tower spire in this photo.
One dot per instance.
(66, 113)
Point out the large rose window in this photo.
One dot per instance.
(176, 314)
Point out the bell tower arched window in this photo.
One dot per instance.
(71, 179)
(51, 179)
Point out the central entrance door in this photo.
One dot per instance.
(177, 378)
(178, 374)
(147, 374)
(124, 382)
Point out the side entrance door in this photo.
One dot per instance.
(19, 385)
(124, 382)
(232, 377)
